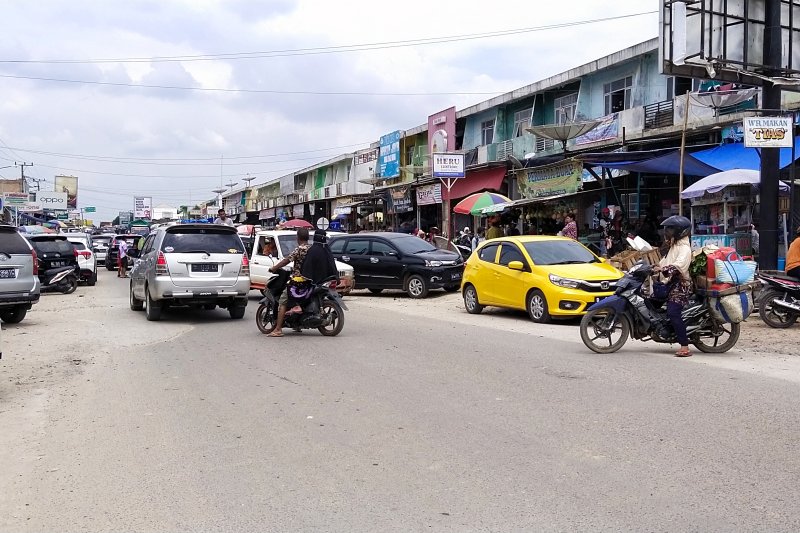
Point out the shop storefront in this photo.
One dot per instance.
(429, 206)
(399, 206)
(723, 218)
(485, 179)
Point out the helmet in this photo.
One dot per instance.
(677, 227)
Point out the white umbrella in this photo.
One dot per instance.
(716, 182)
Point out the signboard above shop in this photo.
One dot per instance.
(52, 200)
(448, 165)
(768, 132)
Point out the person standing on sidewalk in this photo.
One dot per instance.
(122, 259)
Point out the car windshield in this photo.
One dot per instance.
(53, 246)
(191, 240)
(99, 239)
(412, 245)
(558, 252)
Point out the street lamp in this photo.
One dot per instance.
(219, 196)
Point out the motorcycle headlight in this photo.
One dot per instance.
(564, 282)
(433, 263)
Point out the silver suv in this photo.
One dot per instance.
(19, 280)
(198, 265)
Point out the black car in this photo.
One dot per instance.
(113, 248)
(398, 261)
(54, 251)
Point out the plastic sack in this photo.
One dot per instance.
(712, 253)
(733, 308)
(733, 271)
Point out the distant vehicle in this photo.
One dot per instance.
(100, 244)
(113, 248)
(198, 265)
(286, 243)
(58, 262)
(385, 260)
(87, 260)
(19, 281)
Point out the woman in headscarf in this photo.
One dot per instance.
(319, 263)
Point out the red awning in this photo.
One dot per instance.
(478, 180)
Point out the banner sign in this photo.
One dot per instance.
(69, 185)
(124, 218)
(429, 194)
(442, 131)
(768, 132)
(557, 179)
(142, 207)
(56, 201)
(30, 207)
(389, 158)
(12, 199)
(362, 158)
(448, 165)
(399, 200)
(607, 129)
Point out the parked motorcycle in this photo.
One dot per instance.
(779, 303)
(609, 322)
(323, 308)
(62, 279)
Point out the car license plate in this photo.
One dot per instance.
(455, 276)
(204, 267)
(8, 273)
(55, 264)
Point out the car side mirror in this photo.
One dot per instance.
(392, 254)
(516, 265)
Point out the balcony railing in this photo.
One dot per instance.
(659, 115)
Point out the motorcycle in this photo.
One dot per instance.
(323, 308)
(629, 313)
(63, 279)
(779, 303)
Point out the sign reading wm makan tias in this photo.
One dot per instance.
(768, 132)
(448, 165)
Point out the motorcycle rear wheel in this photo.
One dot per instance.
(68, 285)
(596, 330)
(265, 318)
(772, 316)
(337, 318)
(717, 332)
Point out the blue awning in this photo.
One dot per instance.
(735, 155)
(668, 163)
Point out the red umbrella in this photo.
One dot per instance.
(297, 223)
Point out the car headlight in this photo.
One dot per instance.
(433, 263)
(564, 282)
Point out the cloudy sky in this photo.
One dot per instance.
(159, 92)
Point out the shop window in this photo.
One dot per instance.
(565, 108)
(487, 132)
(677, 86)
(635, 205)
(618, 95)
(522, 120)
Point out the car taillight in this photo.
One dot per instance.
(35, 262)
(244, 270)
(161, 265)
(86, 254)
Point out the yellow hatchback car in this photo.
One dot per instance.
(545, 276)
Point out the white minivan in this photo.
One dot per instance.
(286, 241)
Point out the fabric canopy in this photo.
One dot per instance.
(716, 182)
(735, 155)
(668, 163)
(478, 180)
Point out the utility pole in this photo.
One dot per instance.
(22, 170)
(770, 157)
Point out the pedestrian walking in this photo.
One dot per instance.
(122, 259)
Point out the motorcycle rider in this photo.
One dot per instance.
(319, 264)
(674, 271)
(298, 257)
(793, 256)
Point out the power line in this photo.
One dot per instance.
(334, 49)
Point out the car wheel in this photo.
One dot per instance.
(92, 281)
(417, 287)
(471, 303)
(537, 307)
(13, 316)
(375, 291)
(152, 309)
(136, 304)
(237, 311)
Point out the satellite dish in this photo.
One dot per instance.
(323, 223)
(516, 163)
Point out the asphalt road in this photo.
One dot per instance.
(410, 420)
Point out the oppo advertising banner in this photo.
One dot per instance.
(69, 185)
(57, 201)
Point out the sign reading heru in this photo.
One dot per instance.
(557, 179)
